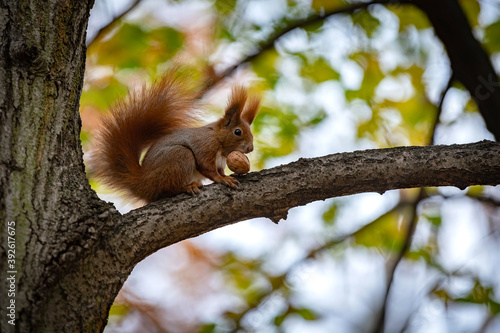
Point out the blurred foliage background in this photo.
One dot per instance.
(421, 260)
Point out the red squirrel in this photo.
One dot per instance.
(161, 119)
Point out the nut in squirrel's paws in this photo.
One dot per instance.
(238, 163)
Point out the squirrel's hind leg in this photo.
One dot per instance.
(171, 170)
(194, 188)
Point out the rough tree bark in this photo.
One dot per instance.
(271, 193)
(73, 251)
(42, 180)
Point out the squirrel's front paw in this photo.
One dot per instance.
(229, 181)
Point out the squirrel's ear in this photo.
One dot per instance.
(235, 105)
(251, 110)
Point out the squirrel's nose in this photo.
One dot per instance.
(249, 148)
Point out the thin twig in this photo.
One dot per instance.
(440, 108)
(277, 287)
(379, 327)
(268, 44)
(105, 28)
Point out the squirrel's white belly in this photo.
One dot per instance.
(220, 161)
(197, 177)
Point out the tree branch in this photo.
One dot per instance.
(269, 43)
(279, 282)
(273, 192)
(440, 108)
(473, 67)
(107, 27)
(381, 321)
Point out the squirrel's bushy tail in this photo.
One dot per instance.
(135, 123)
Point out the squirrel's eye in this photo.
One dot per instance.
(237, 132)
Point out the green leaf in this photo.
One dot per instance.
(278, 320)
(492, 37)
(330, 214)
(118, 310)
(384, 233)
(478, 295)
(442, 294)
(313, 27)
(475, 191)
(265, 66)
(276, 132)
(169, 40)
(208, 328)
(133, 46)
(410, 16)
(372, 76)
(305, 313)
(85, 137)
(325, 5)
(319, 71)
(317, 118)
(471, 106)
(435, 220)
(494, 307)
(102, 96)
(366, 21)
(224, 7)
(254, 295)
(425, 253)
(226, 34)
(471, 9)
(125, 48)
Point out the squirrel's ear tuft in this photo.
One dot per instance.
(235, 105)
(251, 110)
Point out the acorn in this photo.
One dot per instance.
(238, 163)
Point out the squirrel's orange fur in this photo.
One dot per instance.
(161, 119)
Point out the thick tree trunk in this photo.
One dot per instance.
(47, 206)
